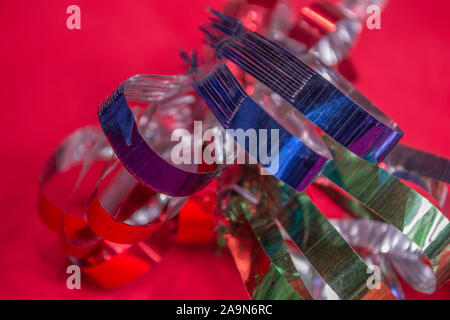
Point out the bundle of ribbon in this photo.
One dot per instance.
(127, 199)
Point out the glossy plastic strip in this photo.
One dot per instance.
(368, 134)
(396, 203)
(144, 163)
(295, 163)
(80, 160)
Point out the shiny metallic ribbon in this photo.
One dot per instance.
(379, 244)
(260, 275)
(292, 215)
(429, 171)
(362, 129)
(86, 151)
(396, 203)
(123, 217)
(383, 245)
(370, 185)
(129, 144)
(83, 146)
(426, 170)
(299, 165)
(270, 207)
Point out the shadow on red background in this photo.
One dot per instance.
(53, 79)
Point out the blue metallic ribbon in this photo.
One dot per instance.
(145, 164)
(368, 134)
(298, 164)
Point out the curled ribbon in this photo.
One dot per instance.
(118, 212)
(380, 192)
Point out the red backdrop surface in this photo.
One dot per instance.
(53, 79)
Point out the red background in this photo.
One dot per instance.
(53, 79)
